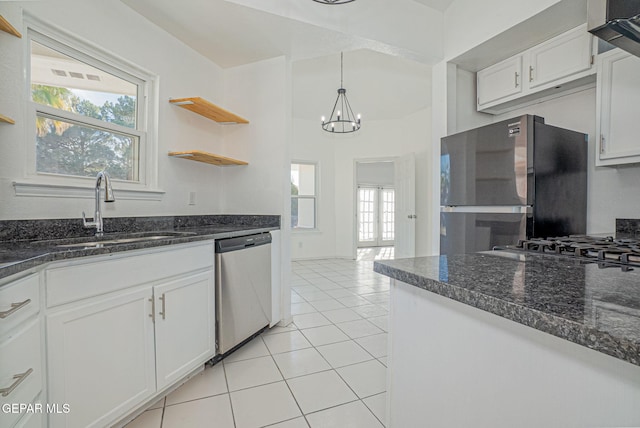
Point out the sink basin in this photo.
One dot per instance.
(110, 239)
(100, 243)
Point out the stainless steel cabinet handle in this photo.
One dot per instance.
(19, 378)
(412, 216)
(530, 74)
(163, 313)
(153, 310)
(516, 78)
(14, 308)
(602, 144)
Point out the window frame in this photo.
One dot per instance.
(36, 183)
(315, 196)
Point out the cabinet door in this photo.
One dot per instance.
(617, 108)
(101, 359)
(185, 325)
(560, 57)
(500, 81)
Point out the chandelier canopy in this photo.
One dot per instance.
(333, 1)
(342, 119)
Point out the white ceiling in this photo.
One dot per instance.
(236, 32)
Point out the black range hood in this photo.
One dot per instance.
(617, 22)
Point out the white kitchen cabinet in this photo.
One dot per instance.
(618, 91)
(146, 321)
(184, 326)
(556, 67)
(21, 362)
(561, 57)
(101, 358)
(500, 81)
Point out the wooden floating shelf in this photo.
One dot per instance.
(7, 119)
(210, 158)
(210, 111)
(8, 28)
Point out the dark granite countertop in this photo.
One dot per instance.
(25, 244)
(592, 306)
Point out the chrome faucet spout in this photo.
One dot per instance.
(108, 197)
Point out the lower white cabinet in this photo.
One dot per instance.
(618, 91)
(113, 351)
(184, 326)
(101, 358)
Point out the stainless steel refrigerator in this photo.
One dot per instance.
(511, 180)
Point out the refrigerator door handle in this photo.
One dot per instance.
(517, 209)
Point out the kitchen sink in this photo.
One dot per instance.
(110, 239)
(101, 243)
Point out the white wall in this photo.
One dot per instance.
(336, 155)
(182, 73)
(257, 92)
(394, 97)
(612, 192)
(467, 23)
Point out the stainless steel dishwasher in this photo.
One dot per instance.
(243, 289)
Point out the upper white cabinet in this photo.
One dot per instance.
(618, 90)
(547, 70)
(500, 81)
(560, 57)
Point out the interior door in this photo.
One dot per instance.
(405, 206)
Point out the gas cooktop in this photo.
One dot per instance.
(606, 251)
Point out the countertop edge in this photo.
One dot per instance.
(551, 324)
(53, 256)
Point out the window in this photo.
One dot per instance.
(303, 196)
(90, 113)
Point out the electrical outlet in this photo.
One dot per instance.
(192, 198)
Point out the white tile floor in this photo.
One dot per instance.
(327, 369)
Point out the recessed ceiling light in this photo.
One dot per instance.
(76, 75)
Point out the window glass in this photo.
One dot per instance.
(72, 149)
(86, 118)
(303, 196)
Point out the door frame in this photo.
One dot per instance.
(354, 192)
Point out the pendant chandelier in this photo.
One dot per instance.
(333, 1)
(342, 119)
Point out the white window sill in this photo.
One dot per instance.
(43, 190)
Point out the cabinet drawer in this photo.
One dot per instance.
(69, 282)
(18, 301)
(20, 369)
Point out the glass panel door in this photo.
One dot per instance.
(376, 211)
(367, 216)
(387, 216)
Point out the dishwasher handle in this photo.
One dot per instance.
(241, 242)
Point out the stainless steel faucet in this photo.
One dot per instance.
(108, 197)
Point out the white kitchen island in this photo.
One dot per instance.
(481, 341)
